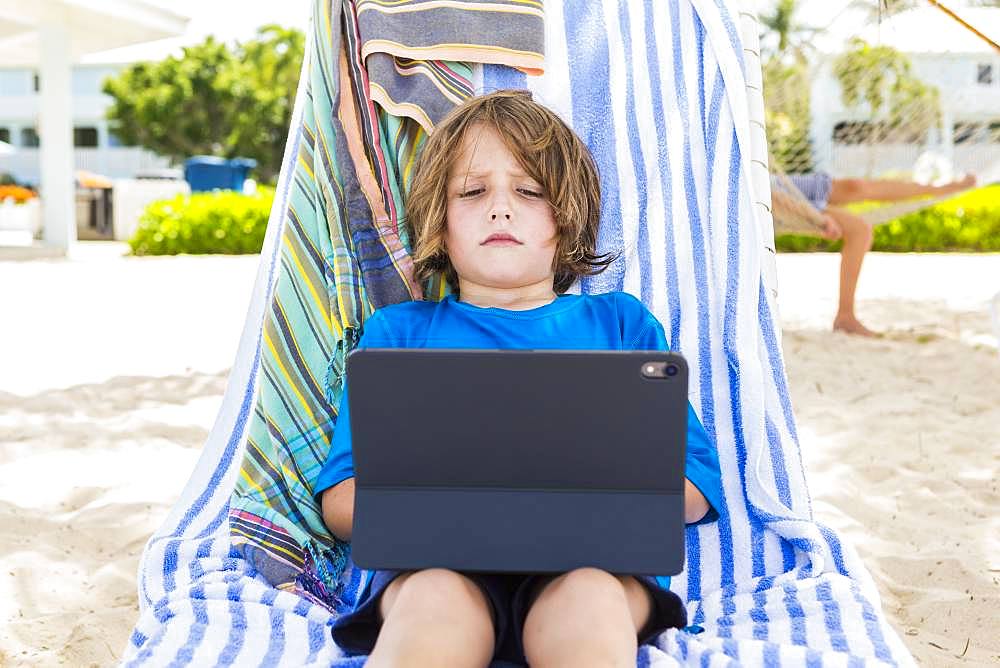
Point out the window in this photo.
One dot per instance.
(854, 132)
(876, 132)
(965, 133)
(5, 135)
(976, 132)
(85, 137)
(14, 82)
(984, 74)
(29, 138)
(90, 80)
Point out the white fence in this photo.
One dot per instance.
(115, 163)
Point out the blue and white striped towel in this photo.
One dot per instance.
(657, 91)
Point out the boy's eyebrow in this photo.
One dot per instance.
(477, 174)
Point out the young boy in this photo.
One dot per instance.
(505, 201)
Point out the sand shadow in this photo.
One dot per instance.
(178, 409)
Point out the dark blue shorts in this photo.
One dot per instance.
(511, 596)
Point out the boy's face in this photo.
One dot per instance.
(501, 232)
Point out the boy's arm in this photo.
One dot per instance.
(334, 486)
(338, 509)
(695, 504)
(703, 485)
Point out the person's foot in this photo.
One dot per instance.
(851, 325)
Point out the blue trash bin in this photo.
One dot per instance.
(206, 173)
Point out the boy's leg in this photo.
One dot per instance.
(845, 191)
(857, 235)
(586, 618)
(434, 617)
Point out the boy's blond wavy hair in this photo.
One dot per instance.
(546, 148)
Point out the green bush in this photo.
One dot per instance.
(970, 223)
(219, 222)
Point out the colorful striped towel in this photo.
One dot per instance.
(419, 53)
(660, 96)
(339, 262)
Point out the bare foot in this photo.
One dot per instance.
(851, 325)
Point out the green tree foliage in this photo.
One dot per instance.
(787, 87)
(901, 107)
(787, 114)
(215, 99)
(791, 38)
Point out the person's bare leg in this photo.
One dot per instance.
(857, 235)
(845, 191)
(434, 617)
(586, 618)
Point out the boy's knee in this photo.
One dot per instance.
(589, 583)
(585, 610)
(443, 591)
(434, 617)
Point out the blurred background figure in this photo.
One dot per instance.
(818, 200)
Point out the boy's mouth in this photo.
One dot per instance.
(501, 239)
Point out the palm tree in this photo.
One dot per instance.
(793, 38)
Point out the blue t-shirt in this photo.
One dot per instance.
(612, 321)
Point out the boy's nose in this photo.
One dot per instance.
(500, 206)
(500, 210)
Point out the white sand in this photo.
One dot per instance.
(900, 437)
(111, 371)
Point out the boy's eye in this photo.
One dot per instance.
(530, 193)
(471, 192)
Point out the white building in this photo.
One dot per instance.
(47, 37)
(95, 147)
(964, 68)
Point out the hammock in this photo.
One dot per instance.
(797, 215)
(659, 95)
(866, 96)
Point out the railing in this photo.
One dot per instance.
(125, 162)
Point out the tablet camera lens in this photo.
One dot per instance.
(672, 370)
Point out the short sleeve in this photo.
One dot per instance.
(650, 336)
(339, 465)
(640, 329)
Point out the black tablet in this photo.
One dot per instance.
(518, 461)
